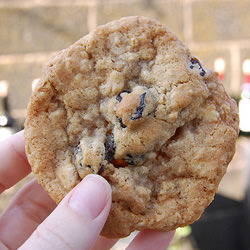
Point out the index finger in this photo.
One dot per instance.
(13, 162)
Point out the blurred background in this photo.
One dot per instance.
(216, 31)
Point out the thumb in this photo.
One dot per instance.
(78, 220)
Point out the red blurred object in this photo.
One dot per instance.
(246, 79)
(221, 76)
(219, 66)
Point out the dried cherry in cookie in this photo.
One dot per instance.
(135, 106)
(89, 156)
(140, 108)
(129, 102)
(195, 63)
(120, 95)
(121, 123)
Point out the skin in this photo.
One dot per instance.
(32, 220)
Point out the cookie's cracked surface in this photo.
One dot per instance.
(129, 102)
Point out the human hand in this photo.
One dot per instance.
(32, 220)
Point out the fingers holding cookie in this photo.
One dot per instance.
(28, 209)
(77, 221)
(151, 239)
(14, 165)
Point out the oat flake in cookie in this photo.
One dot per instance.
(129, 102)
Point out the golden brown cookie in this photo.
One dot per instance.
(129, 102)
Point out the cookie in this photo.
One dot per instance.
(131, 103)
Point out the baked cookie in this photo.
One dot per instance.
(129, 102)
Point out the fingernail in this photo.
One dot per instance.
(90, 196)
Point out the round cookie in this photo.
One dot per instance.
(129, 102)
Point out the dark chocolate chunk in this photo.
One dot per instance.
(101, 169)
(139, 110)
(121, 123)
(119, 98)
(109, 148)
(196, 61)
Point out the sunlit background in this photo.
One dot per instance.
(217, 31)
